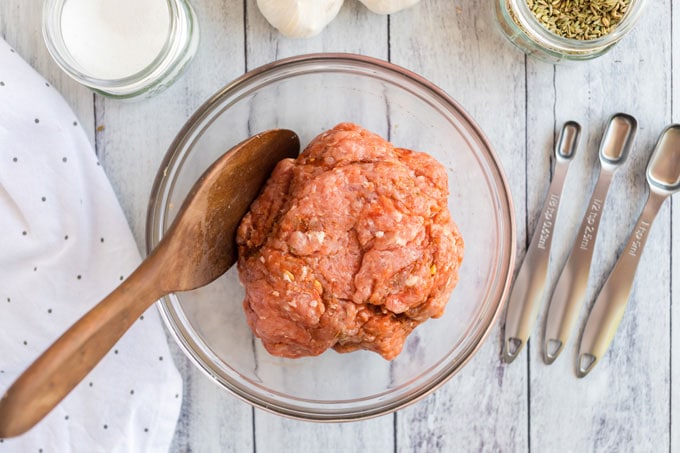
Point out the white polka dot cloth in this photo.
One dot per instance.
(64, 245)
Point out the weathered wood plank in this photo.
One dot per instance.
(623, 404)
(132, 139)
(456, 45)
(276, 434)
(368, 36)
(674, 393)
(211, 419)
(629, 401)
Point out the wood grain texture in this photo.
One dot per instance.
(124, 132)
(264, 44)
(631, 401)
(622, 405)
(131, 148)
(484, 408)
(674, 203)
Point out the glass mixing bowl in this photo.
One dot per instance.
(310, 94)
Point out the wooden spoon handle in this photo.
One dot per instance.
(64, 364)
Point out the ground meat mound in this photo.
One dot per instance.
(350, 246)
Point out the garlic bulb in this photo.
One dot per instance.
(299, 18)
(388, 6)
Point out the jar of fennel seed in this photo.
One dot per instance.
(567, 30)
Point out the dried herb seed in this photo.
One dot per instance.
(582, 20)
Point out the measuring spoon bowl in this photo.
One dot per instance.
(663, 177)
(617, 139)
(529, 286)
(663, 170)
(569, 293)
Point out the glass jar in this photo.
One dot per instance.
(121, 49)
(521, 27)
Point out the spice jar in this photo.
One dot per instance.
(529, 30)
(121, 48)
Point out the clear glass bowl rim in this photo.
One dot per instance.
(378, 404)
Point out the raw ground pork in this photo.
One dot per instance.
(350, 246)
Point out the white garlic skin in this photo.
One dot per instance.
(299, 18)
(388, 6)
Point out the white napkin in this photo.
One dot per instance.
(64, 245)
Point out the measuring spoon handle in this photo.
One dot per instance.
(569, 293)
(529, 286)
(567, 298)
(611, 302)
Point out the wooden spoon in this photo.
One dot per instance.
(198, 247)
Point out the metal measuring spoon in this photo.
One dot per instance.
(529, 285)
(567, 298)
(663, 178)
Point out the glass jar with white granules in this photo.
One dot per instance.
(121, 48)
(558, 30)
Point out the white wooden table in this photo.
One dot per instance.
(630, 402)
